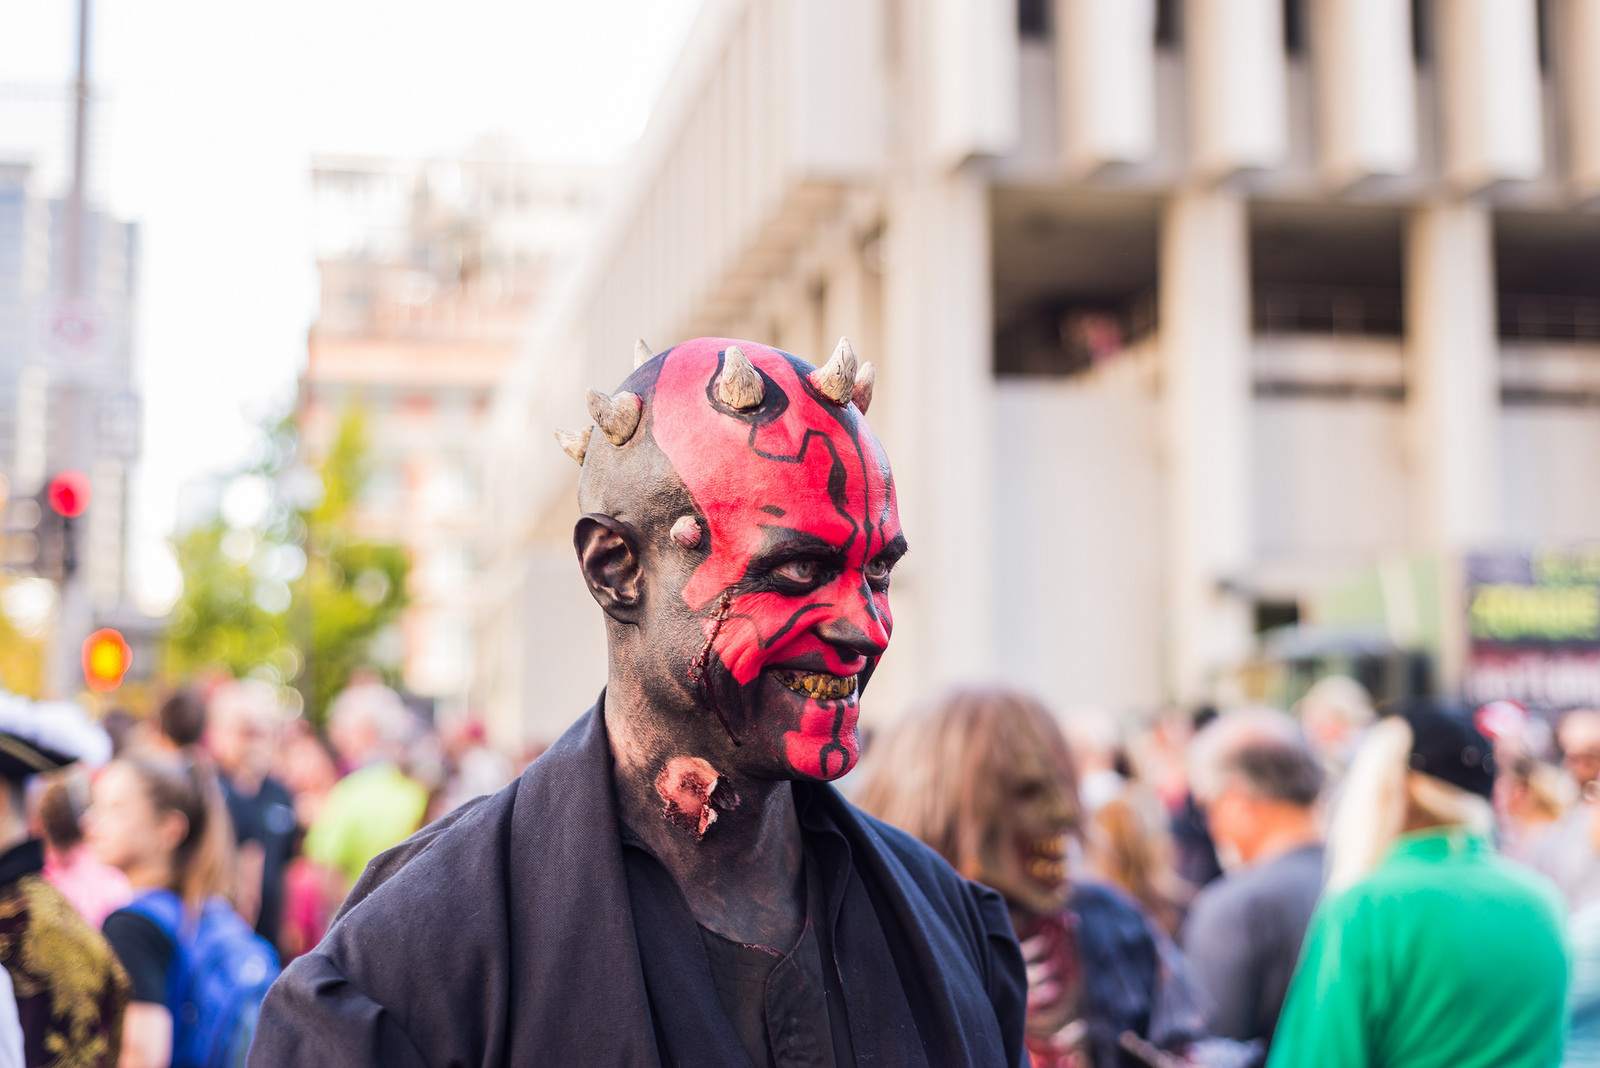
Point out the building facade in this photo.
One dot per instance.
(1183, 310)
(428, 274)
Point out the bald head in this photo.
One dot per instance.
(739, 510)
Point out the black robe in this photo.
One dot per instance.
(504, 935)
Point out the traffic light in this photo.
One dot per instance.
(106, 659)
(68, 494)
(66, 497)
(38, 534)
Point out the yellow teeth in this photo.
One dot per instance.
(1047, 871)
(820, 686)
(1050, 848)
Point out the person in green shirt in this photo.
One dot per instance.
(377, 805)
(1429, 951)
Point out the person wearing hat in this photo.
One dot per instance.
(70, 992)
(1429, 949)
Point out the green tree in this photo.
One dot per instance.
(298, 595)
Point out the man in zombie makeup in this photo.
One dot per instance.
(675, 881)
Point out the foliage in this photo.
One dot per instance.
(21, 657)
(299, 595)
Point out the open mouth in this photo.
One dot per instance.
(1046, 859)
(819, 685)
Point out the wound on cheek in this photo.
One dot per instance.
(686, 785)
(700, 667)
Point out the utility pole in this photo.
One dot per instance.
(80, 162)
(74, 613)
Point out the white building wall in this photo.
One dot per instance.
(1546, 453)
(826, 168)
(1082, 499)
(1330, 481)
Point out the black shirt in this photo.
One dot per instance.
(145, 950)
(267, 819)
(777, 1002)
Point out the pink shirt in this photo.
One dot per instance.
(96, 890)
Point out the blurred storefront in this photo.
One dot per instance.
(1183, 314)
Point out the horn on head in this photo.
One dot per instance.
(866, 378)
(574, 445)
(641, 352)
(836, 379)
(617, 416)
(739, 383)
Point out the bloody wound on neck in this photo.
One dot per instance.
(686, 785)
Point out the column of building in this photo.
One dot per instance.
(1206, 381)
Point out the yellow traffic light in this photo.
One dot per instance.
(106, 659)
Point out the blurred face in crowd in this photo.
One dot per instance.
(355, 738)
(1580, 745)
(1236, 819)
(759, 540)
(123, 825)
(1024, 854)
(1258, 782)
(243, 732)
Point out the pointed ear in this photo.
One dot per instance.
(608, 556)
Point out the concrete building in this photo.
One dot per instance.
(429, 271)
(67, 390)
(1182, 310)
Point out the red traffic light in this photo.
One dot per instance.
(106, 659)
(68, 494)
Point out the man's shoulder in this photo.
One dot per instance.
(1241, 893)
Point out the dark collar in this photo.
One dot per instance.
(571, 923)
(25, 858)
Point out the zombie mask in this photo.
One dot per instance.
(1024, 852)
(766, 514)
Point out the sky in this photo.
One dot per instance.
(210, 112)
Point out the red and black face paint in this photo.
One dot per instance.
(797, 524)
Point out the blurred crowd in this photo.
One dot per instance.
(1415, 885)
(1331, 884)
(208, 844)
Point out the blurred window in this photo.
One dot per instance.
(1064, 337)
(1169, 23)
(1549, 317)
(1294, 27)
(1033, 18)
(1311, 309)
(1422, 30)
(1271, 615)
(1546, 31)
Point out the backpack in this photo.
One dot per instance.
(221, 970)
